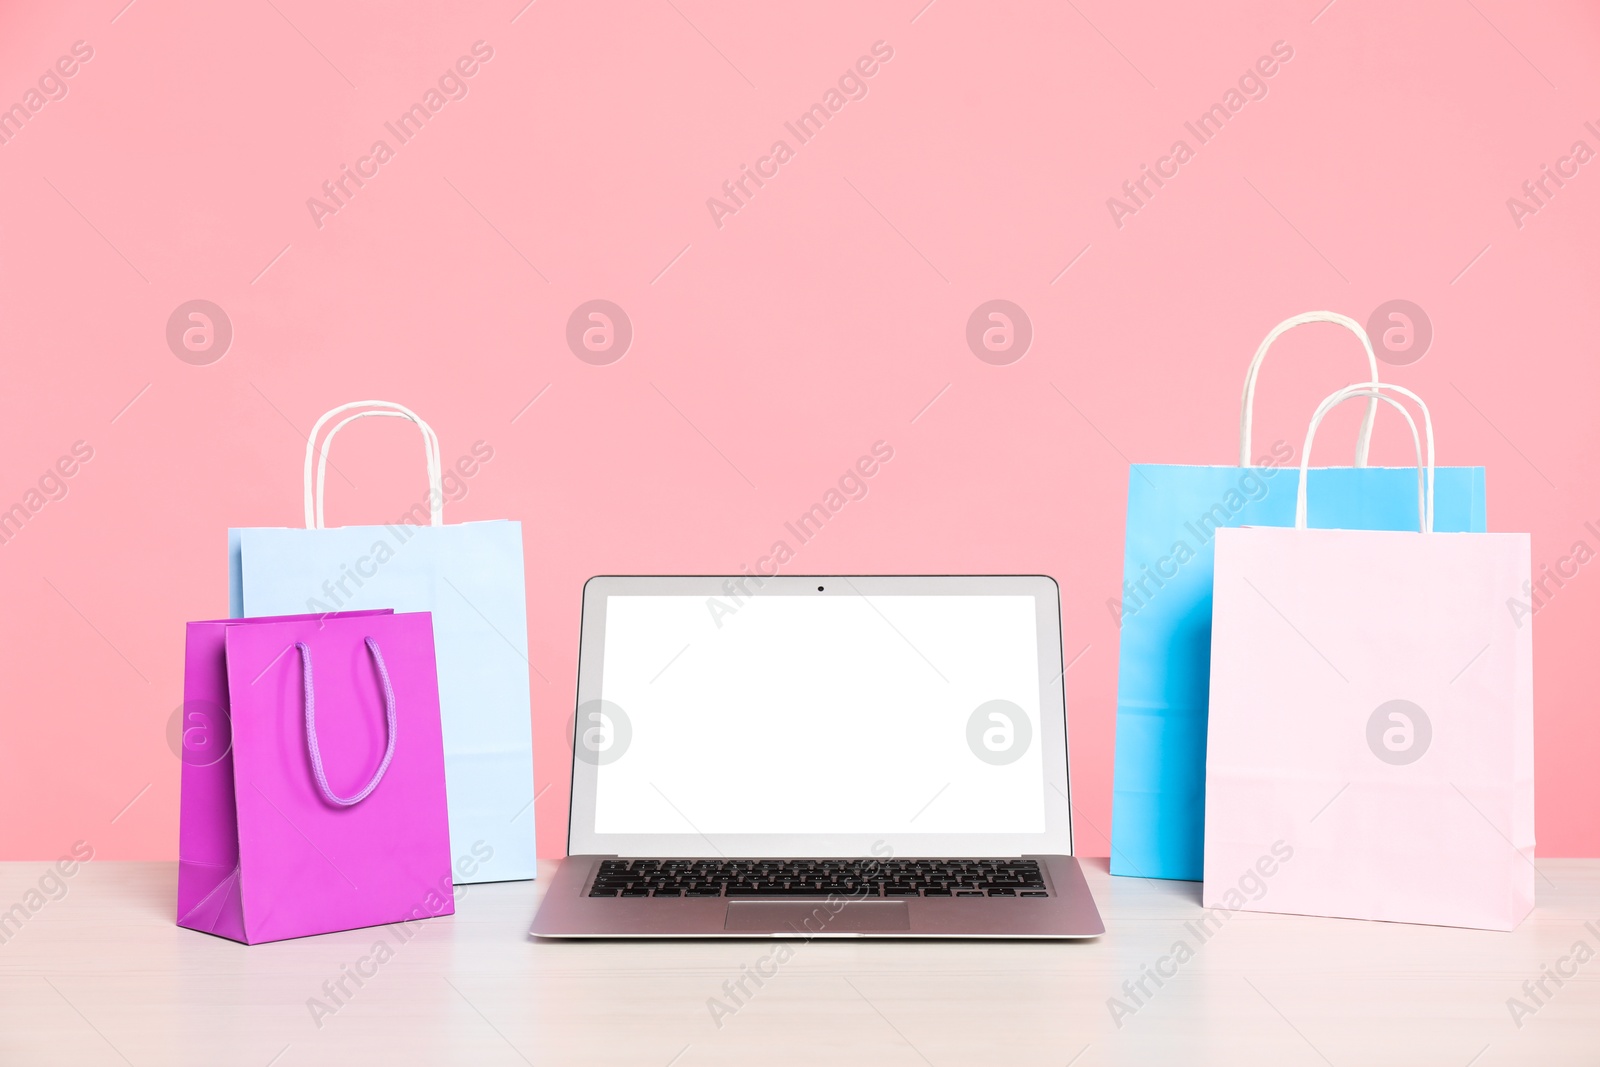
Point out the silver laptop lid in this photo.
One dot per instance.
(820, 716)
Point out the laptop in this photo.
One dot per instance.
(835, 756)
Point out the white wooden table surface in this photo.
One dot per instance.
(103, 976)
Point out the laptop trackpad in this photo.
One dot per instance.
(815, 917)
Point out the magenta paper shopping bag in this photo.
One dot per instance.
(313, 776)
(1370, 749)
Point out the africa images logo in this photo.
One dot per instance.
(599, 332)
(199, 332)
(999, 732)
(1399, 732)
(999, 332)
(601, 732)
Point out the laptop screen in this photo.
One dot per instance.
(818, 715)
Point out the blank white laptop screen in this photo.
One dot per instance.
(822, 715)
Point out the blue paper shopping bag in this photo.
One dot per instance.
(470, 577)
(1164, 669)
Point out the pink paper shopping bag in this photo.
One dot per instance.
(313, 793)
(1370, 749)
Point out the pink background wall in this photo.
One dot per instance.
(770, 351)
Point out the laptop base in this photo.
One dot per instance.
(569, 911)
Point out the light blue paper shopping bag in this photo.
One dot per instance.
(470, 576)
(1164, 669)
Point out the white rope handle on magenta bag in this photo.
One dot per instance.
(1377, 391)
(1247, 406)
(315, 750)
(316, 466)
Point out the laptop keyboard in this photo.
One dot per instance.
(800, 878)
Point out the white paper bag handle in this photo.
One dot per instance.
(1376, 391)
(316, 467)
(1247, 406)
